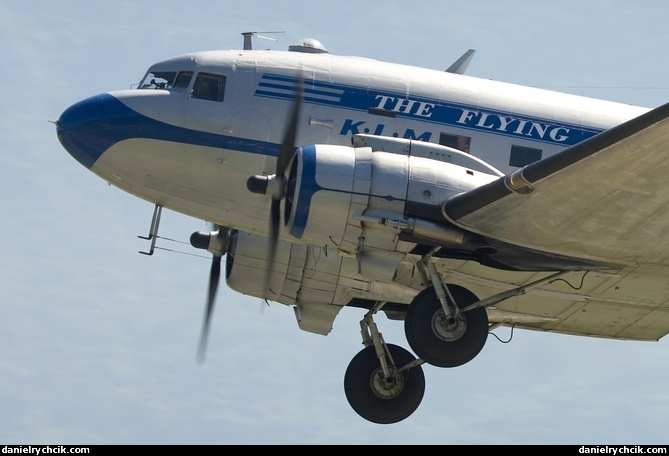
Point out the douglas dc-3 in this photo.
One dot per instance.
(452, 203)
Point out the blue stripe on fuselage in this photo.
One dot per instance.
(88, 128)
(429, 110)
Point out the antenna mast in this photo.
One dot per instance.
(248, 35)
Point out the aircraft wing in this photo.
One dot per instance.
(605, 199)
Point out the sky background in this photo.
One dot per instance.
(98, 343)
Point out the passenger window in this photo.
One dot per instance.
(521, 156)
(209, 86)
(455, 141)
(183, 79)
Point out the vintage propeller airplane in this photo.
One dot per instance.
(452, 203)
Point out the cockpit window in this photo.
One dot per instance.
(158, 80)
(166, 80)
(209, 86)
(183, 79)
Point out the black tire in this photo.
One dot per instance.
(437, 345)
(368, 395)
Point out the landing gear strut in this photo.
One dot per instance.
(437, 328)
(384, 383)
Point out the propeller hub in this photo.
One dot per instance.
(258, 184)
(200, 240)
(215, 242)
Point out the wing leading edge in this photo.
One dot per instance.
(605, 199)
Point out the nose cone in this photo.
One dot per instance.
(81, 130)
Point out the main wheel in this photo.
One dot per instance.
(442, 341)
(381, 400)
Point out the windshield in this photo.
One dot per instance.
(166, 80)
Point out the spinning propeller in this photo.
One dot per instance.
(217, 243)
(276, 184)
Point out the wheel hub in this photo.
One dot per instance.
(386, 388)
(446, 328)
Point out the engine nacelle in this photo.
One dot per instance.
(247, 263)
(316, 296)
(331, 186)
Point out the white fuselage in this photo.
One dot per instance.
(194, 155)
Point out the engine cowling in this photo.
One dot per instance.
(302, 276)
(247, 263)
(345, 208)
(331, 186)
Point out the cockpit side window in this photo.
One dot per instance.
(209, 86)
(158, 80)
(183, 79)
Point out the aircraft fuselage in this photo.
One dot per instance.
(193, 153)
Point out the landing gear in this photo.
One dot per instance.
(384, 383)
(381, 399)
(446, 340)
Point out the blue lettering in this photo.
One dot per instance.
(410, 134)
(350, 127)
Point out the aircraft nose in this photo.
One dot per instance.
(80, 129)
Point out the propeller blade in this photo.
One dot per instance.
(288, 143)
(275, 220)
(283, 160)
(214, 277)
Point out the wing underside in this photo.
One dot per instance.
(605, 200)
(626, 304)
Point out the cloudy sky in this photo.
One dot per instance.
(98, 342)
